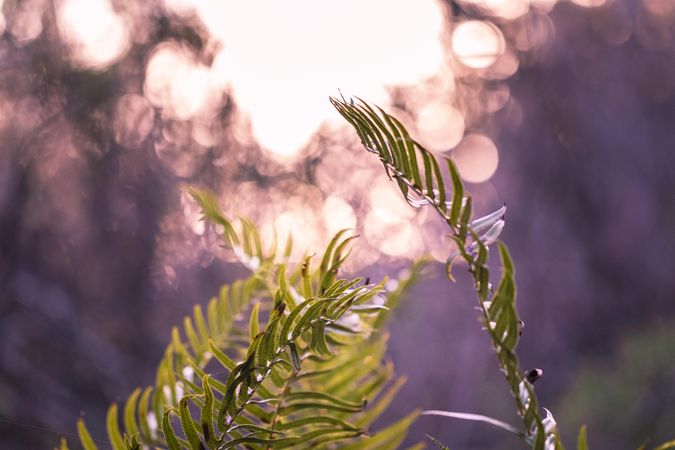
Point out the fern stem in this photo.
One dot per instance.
(284, 391)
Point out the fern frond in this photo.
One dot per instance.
(277, 361)
(425, 184)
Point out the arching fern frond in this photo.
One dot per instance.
(422, 181)
(290, 357)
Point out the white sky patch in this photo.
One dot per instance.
(283, 59)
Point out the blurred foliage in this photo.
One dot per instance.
(626, 397)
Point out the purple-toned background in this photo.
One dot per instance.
(99, 257)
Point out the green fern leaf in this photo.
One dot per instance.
(85, 438)
(169, 434)
(206, 415)
(191, 335)
(143, 414)
(202, 328)
(312, 395)
(113, 429)
(316, 420)
(188, 424)
(457, 192)
(582, 443)
(253, 325)
(225, 360)
(130, 413)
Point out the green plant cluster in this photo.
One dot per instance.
(294, 356)
(303, 351)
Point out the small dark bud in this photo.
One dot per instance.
(367, 281)
(521, 325)
(533, 375)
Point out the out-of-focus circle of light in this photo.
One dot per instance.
(338, 215)
(26, 22)
(476, 158)
(281, 66)
(503, 68)
(178, 83)
(589, 3)
(538, 32)
(441, 125)
(660, 8)
(505, 9)
(477, 44)
(96, 35)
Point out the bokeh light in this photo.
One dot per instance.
(3, 23)
(477, 44)
(178, 83)
(95, 33)
(440, 125)
(589, 3)
(476, 158)
(503, 9)
(27, 21)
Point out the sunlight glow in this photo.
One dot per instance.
(96, 34)
(281, 66)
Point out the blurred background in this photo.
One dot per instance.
(563, 110)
